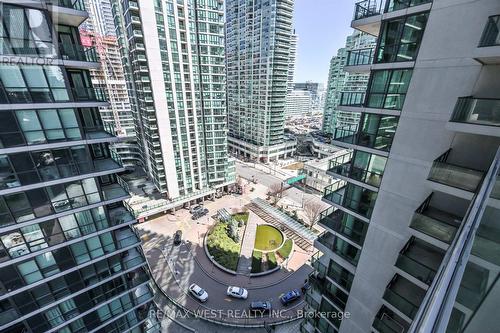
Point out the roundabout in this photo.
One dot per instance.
(175, 268)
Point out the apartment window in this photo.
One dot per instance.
(491, 33)
(400, 38)
(388, 88)
(31, 127)
(368, 168)
(377, 131)
(24, 31)
(32, 84)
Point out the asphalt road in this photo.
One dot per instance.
(166, 258)
(294, 194)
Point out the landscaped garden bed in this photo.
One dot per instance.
(271, 249)
(224, 243)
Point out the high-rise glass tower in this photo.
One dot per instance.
(174, 56)
(359, 46)
(99, 31)
(70, 259)
(412, 237)
(259, 43)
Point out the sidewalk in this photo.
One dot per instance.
(245, 262)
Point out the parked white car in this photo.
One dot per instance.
(237, 292)
(198, 292)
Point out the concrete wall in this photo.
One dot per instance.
(444, 70)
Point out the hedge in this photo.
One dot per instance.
(256, 261)
(271, 260)
(285, 250)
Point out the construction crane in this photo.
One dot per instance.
(103, 45)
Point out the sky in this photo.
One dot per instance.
(322, 27)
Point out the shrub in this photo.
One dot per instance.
(232, 231)
(224, 249)
(285, 250)
(271, 260)
(256, 261)
(241, 218)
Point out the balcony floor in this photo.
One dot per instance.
(425, 254)
(408, 290)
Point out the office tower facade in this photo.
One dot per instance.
(174, 56)
(70, 259)
(419, 190)
(298, 103)
(359, 45)
(258, 47)
(99, 31)
(315, 89)
(100, 19)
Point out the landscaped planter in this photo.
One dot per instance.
(265, 247)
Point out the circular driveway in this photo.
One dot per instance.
(174, 268)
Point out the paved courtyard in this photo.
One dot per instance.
(174, 268)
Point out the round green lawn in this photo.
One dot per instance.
(267, 238)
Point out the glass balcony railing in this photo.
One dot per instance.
(479, 111)
(491, 33)
(352, 98)
(81, 94)
(344, 224)
(113, 191)
(345, 134)
(435, 222)
(335, 272)
(387, 321)
(340, 247)
(78, 52)
(106, 130)
(363, 202)
(404, 295)
(393, 5)
(360, 57)
(453, 175)
(342, 166)
(73, 4)
(329, 290)
(367, 8)
(420, 259)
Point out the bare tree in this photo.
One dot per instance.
(275, 191)
(239, 181)
(312, 210)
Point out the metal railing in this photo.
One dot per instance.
(78, 52)
(367, 8)
(480, 111)
(73, 4)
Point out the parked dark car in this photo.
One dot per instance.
(196, 209)
(260, 307)
(290, 297)
(177, 237)
(199, 213)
